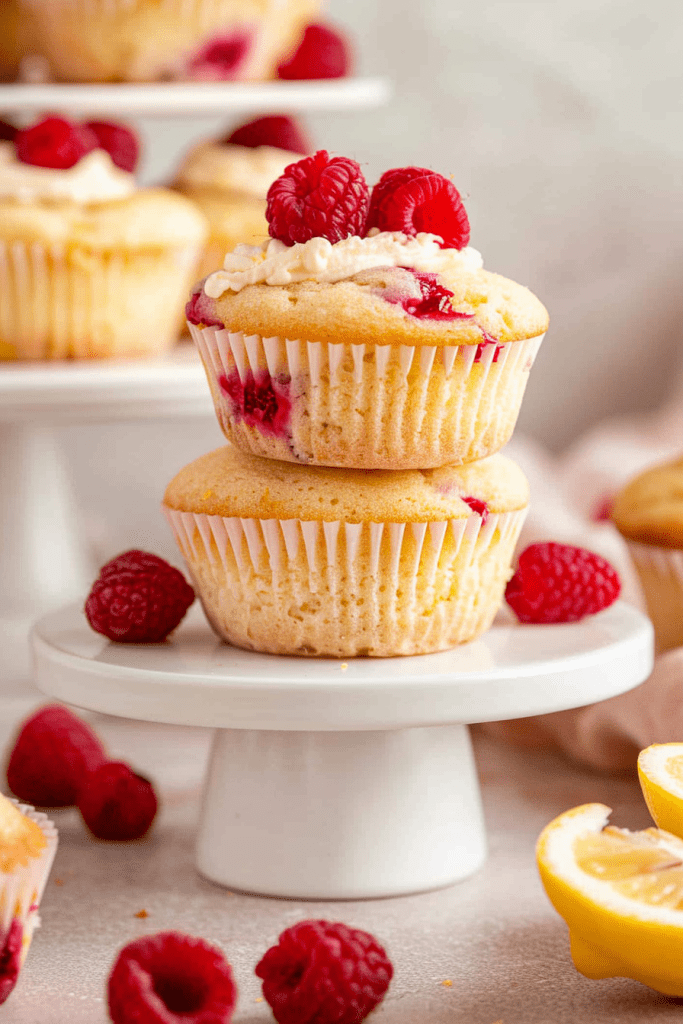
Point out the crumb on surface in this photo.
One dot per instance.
(59, 881)
(142, 914)
(447, 983)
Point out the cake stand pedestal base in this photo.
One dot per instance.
(341, 815)
(335, 780)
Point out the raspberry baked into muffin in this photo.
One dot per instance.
(229, 179)
(365, 333)
(150, 40)
(304, 560)
(28, 843)
(90, 265)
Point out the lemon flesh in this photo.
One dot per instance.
(621, 895)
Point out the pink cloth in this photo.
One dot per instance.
(566, 493)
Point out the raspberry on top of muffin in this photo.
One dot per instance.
(405, 244)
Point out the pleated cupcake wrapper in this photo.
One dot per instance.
(224, 351)
(21, 890)
(224, 555)
(666, 562)
(44, 294)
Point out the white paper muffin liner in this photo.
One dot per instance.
(660, 571)
(372, 406)
(86, 304)
(21, 890)
(343, 589)
(666, 562)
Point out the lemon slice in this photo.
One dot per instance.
(660, 770)
(621, 894)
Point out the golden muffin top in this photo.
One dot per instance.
(650, 508)
(20, 838)
(231, 483)
(146, 219)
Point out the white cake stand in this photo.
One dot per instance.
(342, 780)
(43, 558)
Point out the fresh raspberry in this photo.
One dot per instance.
(318, 197)
(116, 803)
(170, 978)
(561, 583)
(324, 973)
(278, 131)
(8, 132)
(412, 199)
(138, 598)
(117, 140)
(10, 958)
(54, 142)
(53, 753)
(478, 506)
(221, 59)
(322, 53)
(200, 309)
(261, 401)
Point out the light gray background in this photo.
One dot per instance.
(562, 124)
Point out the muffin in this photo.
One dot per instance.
(151, 40)
(365, 347)
(28, 842)
(13, 39)
(90, 265)
(303, 560)
(648, 513)
(229, 178)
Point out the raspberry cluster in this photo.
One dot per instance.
(328, 197)
(57, 143)
(58, 761)
(319, 972)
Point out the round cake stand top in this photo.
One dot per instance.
(69, 392)
(195, 679)
(183, 99)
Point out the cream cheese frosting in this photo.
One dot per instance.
(275, 263)
(94, 179)
(234, 168)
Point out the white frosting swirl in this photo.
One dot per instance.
(275, 263)
(94, 179)
(234, 168)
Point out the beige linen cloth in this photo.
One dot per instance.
(567, 494)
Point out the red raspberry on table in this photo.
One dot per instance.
(54, 142)
(116, 803)
(277, 130)
(318, 197)
(321, 972)
(322, 53)
(561, 583)
(117, 140)
(414, 199)
(53, 753)
(10, 958)
(170, 978)
(138, 598)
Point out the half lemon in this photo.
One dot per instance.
(660, 770)
(621, 895)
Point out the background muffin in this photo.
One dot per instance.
(90, 266)
(229, 179)
(361, 345)
(290, 559)
(648, 512)
(148, 40)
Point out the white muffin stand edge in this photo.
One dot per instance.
(341, 780)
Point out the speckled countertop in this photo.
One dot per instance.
(494, 936)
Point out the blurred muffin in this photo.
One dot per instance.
(394, 350)
(229, 179)
(648, 513)
(151, 40)
(13, 39)
(292, 559)
(28, 842)
(90, 265)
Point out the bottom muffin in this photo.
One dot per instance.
(303, 560)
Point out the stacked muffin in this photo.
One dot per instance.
(366, 371)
